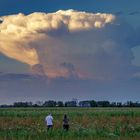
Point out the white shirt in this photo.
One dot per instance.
(49, 120)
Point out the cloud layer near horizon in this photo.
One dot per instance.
(70, 44)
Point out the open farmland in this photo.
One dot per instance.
(85, 123)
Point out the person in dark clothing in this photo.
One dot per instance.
(65, 123)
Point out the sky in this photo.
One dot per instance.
(60, 50)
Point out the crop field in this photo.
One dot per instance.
(85, 123)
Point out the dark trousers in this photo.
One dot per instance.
(49, 127)
(66, 127)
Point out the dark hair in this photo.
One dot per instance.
(65, 116)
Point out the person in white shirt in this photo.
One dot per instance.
(49, 121)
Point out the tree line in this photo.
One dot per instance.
(73, 103)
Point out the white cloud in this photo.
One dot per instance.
(95, 44)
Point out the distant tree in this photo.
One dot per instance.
(70, 104)
(93, 103)
(113, 104)
(84, 104)
(22, 104)
(60, 104)
(103, 103)
(35, 105)
(5, 106)
(73, 103)
(39, 103)
(75, 100)
(50, 103)
(119, 104)
(130, 104)
(136, 104)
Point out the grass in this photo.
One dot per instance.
(85, 123)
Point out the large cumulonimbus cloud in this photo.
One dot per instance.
(69, 43)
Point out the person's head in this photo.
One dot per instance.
(65, 116)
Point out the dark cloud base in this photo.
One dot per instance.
(25, 87)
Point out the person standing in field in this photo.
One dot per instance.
(65, 123)
(49, 121)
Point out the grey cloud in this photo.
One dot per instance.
(38, 70)
(98, 45)
(119, 13)
(134, 13)
(70, 69)
(68, 66)
(32, 88)
(41, 36)
(99, 57)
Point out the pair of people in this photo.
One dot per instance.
(49, 122)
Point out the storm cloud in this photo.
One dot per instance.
(70, 43)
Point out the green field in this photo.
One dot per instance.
(85, 123)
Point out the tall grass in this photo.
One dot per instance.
(85, 123)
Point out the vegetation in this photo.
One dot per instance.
(74, 103)
(85, 123)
